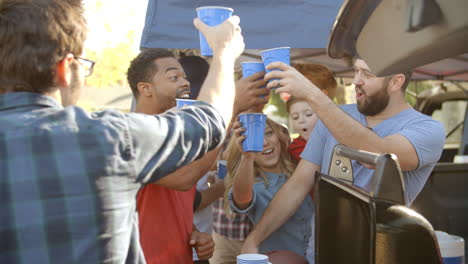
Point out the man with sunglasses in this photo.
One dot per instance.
(68, 178)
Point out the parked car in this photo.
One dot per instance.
(444, 199)
(396, 36)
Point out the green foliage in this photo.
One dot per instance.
(275, 100)
(114, 26)
(111, 65)
(414, 88)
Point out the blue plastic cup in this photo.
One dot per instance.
(184, 102)
(277, 54)
(254, 124)
(249, 68)
(212, 16)
(222, 169)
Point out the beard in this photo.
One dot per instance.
(376, 103)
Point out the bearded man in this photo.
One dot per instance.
(381, 122)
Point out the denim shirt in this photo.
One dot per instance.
(294, 234)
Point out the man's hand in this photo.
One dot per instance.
(290, 81)
(203, 244)
(227, 43)
(211, 178)
(248, 94)
(225, 38)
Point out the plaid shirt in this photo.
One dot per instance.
(234, 227)
(68, 179)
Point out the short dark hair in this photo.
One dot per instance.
(34, 36)
(403, 87)
(408, 74)
(142, 68)
(196, 69)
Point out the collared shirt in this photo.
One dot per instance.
(203, 218)
(230, 225)
(68, 178)
(294, 234)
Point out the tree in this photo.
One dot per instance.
(111, 64)
(113, 30)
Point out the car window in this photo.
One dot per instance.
(452, 115)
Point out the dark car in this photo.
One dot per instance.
(395, 36)
(444, 199)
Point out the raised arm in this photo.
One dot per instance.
(247, 97)
(343, 127)
(244, 176)
(186, 177)
(243, 182)
(286, 201)
(164, 143)
(227, 44)
(219, 89)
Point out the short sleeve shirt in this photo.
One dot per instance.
(425, 134)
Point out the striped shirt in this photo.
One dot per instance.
(68, 178)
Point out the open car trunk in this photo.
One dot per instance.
(399, 35)
(305, 27)
(355, 226)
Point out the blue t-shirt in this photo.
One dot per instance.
(294, 235)
(426, 135)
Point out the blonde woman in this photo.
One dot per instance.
(253, 180)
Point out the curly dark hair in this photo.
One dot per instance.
(143, 68)
(34, 36)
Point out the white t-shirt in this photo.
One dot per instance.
(203, 219)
